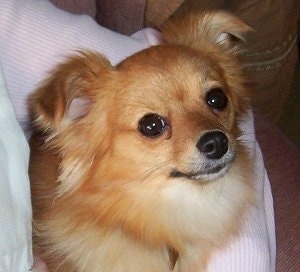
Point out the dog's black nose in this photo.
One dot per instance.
(213, 144)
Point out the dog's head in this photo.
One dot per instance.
(166, 115)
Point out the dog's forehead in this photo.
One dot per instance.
(165, 71)
(168, 60)
(164, 79)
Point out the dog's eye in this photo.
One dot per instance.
(152, 125)
(215, 98)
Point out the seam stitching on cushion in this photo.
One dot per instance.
(273, 63)
(290, 39)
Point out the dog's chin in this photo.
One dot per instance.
(204, 175)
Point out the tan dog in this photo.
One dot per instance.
(141, 167)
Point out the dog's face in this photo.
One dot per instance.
(167, 115)
(171, 114)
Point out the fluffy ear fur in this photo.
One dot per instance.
(195, 30)
(59, 108)
(68, 92)
(220, 35)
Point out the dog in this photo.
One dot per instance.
(140, 166)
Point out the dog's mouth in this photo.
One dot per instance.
(208, 173)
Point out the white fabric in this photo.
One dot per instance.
(15, 208)
(34, 36)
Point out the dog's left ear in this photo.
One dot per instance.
(196, 30)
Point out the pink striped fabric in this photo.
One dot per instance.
(35, 36)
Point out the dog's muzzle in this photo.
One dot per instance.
(214, 146)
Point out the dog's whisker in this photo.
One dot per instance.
(246, 141)
(154, 169)
(246, 134)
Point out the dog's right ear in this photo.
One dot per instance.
(61, 108)
(67, 94)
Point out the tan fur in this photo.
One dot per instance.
(103, 197)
